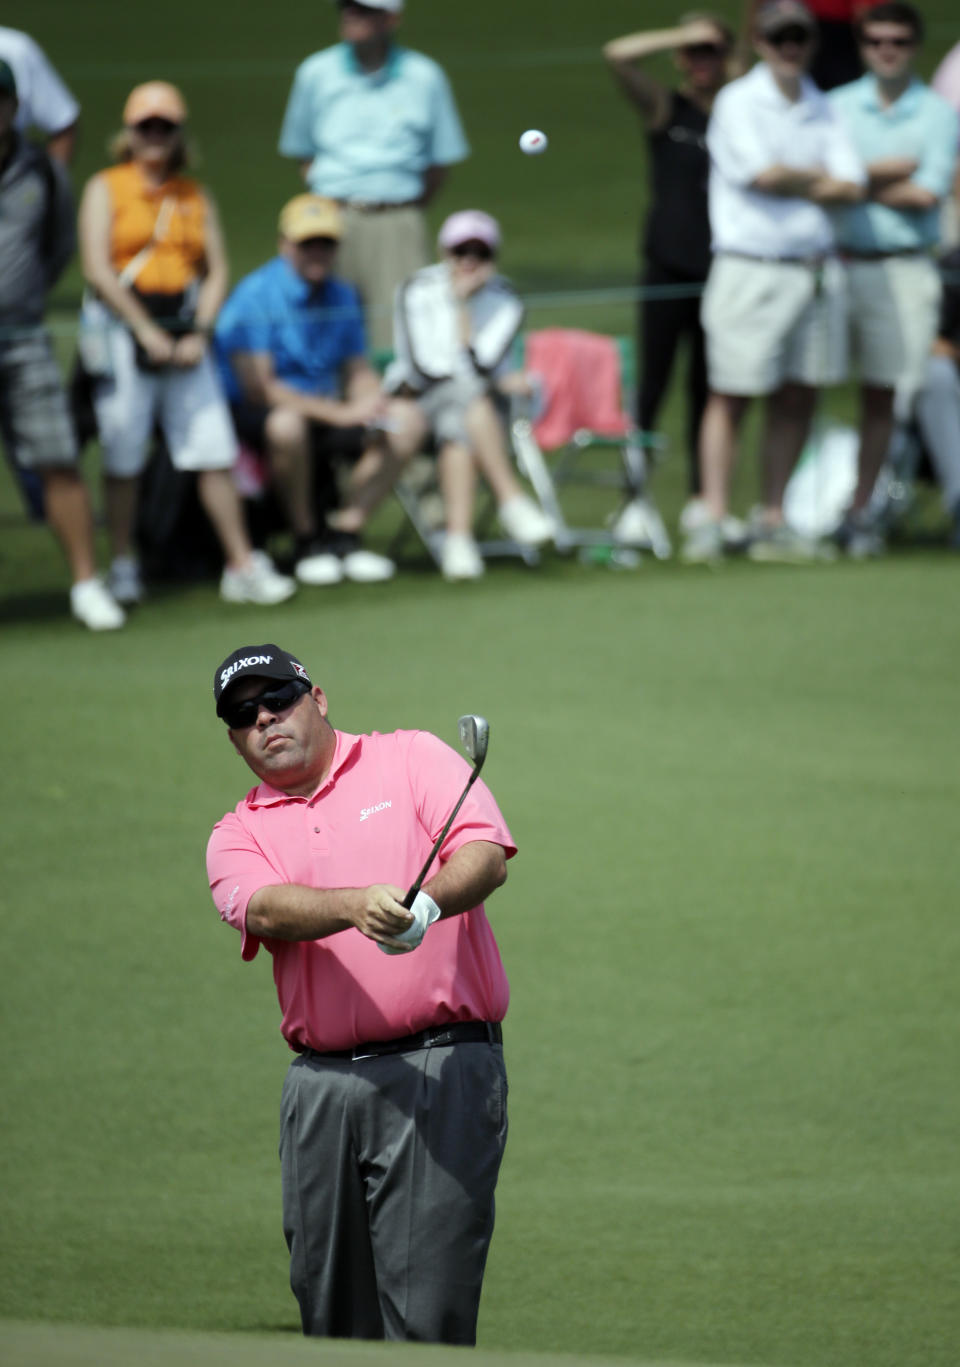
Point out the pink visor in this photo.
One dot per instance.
(469, 225)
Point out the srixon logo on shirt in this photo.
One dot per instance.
(245, 663)
(369, 811)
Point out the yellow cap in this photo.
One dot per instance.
(310, 216)
(154, 100)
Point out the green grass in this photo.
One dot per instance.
(731, 931)
(730, 935)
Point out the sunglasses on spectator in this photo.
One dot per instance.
(156, 125)
(319, 241)
(794, 33)
(480, 250)
(703, 50)
(888, 42)
(239, 715)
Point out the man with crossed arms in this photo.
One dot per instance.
(393, 1116)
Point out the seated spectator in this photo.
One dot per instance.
(153, 256)
(292, 351)
(907, 137)
(36, 242)
(780, 160)
(938, 403)
(454, 329)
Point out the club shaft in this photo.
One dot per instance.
(415, 888)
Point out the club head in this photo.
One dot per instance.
(474, 736)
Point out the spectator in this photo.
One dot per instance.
(153, 254)
(836, 58)
(375, 127)
(907, 136)
(36, 242)
(454, 329)
(946, 82)
(780, 158)
(677, 238)
(45, 102)
(291, 342)
(938, 403)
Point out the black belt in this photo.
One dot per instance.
(457, 1032)
(849, 255)
(378, 206)
(813, 261)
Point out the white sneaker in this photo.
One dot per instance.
(258, 583)
(92, 604)
(366, 567)
(703, 545)
(460, 557)
(525, 522)
(694, 515)
(319, 569)
(124, 582)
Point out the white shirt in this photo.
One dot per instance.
(753, 127)
(45, 102)
(426, 333)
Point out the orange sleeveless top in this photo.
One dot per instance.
(178, 258)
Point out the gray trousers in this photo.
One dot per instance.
(389, 1167)
(938, 413)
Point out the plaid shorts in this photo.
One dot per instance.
(35, 420)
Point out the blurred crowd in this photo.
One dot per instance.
(802, 229)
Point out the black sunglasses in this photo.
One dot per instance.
(478, 249)
(156, 125)
(888, 42)
(792, 34)
(238, 715)
(703, 50)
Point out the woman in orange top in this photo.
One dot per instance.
(153, 256)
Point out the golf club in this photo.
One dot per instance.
(474, 737)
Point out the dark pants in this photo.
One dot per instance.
(661, 325)
(389, 1167)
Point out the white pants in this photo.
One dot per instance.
(188, 403)
(767, 322)
(894, 309)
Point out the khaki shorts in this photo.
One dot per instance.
(767, 322)
(187, 403)
(444, 405)
(894, 311)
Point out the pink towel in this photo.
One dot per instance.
(581, 377)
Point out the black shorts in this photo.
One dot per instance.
(328, 443)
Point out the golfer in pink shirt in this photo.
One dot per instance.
(393, 1116)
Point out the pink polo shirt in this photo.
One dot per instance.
(372, 820)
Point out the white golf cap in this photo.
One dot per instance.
(469, 225)
(390, 6)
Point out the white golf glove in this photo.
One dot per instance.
(425, 912)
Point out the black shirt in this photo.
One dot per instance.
(678, 226)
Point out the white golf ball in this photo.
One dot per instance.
(533, 142)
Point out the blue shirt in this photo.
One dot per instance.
(920, 125)
(309, 331)
(371, 135)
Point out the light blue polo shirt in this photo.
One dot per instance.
(921, 125)
(371, 135)
(310, 331)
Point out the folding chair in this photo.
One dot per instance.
(583, 412)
